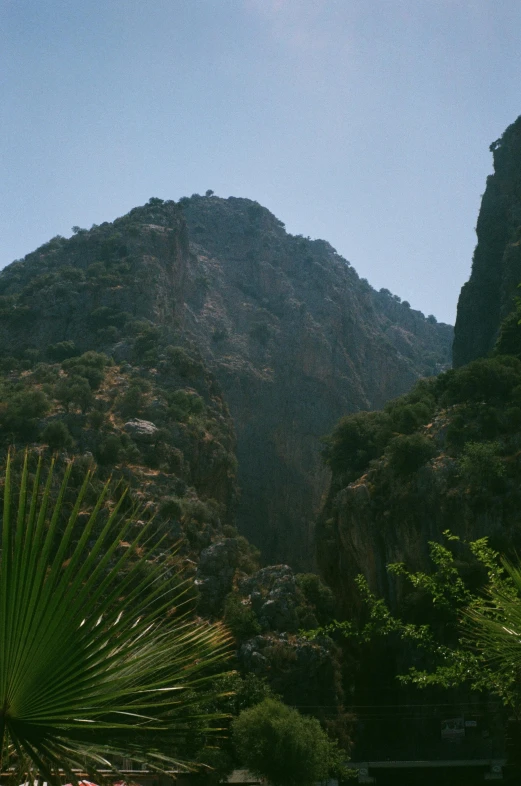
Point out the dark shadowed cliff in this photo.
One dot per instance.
(487, 298)
(296, 339)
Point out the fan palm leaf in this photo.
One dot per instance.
(492, 625)
(98, 657)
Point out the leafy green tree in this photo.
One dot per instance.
(318, 595)
(276, 742)
(458, 641)
(75, 391)
(99, 656)
(89, 366)
(21, 410)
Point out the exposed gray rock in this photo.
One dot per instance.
(141, 430)
(274, 597)
(215, 573)
(302, 671)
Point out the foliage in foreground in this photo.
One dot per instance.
(99, 657)
(471, 635)
(289, 749)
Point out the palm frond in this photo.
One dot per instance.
(97, 659)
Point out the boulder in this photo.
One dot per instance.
(141, 430)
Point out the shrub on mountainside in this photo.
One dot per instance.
(184, 404)
(89, 366)
(62, 350)
(481, 466)
(183, 362)
(74, 391)
(57, 435)
(21, 409)
(318, 595)
(509, 339)
(408, 452)
(240, 618)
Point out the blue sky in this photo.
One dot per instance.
(364, 122)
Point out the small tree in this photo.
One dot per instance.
(278, 743)
(57, 435)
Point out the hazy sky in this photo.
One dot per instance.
(364, 122)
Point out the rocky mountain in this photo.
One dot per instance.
(296, 339)
(488, 296)
(209, 309)
(198, 353)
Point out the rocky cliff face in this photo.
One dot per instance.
(487, 298)
(296, 339)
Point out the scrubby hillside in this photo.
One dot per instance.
(446, 456)
(93, 364)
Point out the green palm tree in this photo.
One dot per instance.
(100, 658)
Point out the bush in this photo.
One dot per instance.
(184, 404)
(62, 350)
(318, 595)
(131, 403)
(21, 411)
(407, 453)
(481, 465)
(89, 359)
(289, 749)
(170, 508)
(147, 339)
(57, 435)
(89, 366)
(183, 363)
(240, 618)
(104, 317)
(109, 450)
(491, 380)
(97, 419)
(509, 339)
(75, 391)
